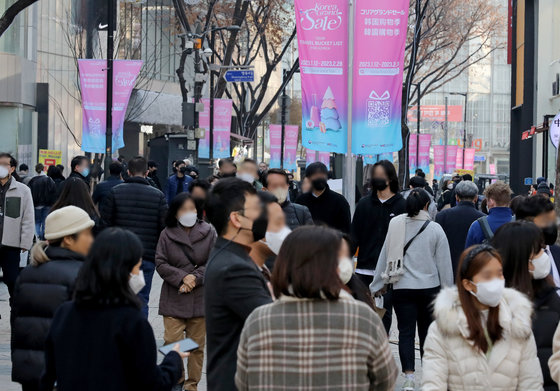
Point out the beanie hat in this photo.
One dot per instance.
(66, 221)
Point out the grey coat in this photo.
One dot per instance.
(178, 254)
(296, 215)
(19, 217)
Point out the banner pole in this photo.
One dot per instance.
(349, 178)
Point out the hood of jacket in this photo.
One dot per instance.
(515, 314)
(43, 253)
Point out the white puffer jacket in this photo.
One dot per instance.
(452, 363)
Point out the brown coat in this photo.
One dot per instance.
(178, 254)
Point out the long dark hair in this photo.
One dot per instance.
(391, 173)
(75, 192)
(516, 242)
(103, 279)
(54, 172)
(310, 270)
(175, 205)
(472, 261)
(416, 201)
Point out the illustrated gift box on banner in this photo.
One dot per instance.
(379, 110)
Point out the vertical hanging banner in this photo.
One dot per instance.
(469, 158)
(439, 161)
(424, 157)
(275, 134)
(379, 43)
(222, 127)
(451, 165)
(324, 157)
(291, 137)
(412, 153)
(322, 32)
(93, 85)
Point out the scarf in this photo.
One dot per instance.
(394, 244)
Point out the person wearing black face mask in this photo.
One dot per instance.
(326, 206)
(540, 210)
(177, 183)
(371, 222)
(234, 285)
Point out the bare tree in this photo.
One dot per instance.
(448, 37)
(10, 14)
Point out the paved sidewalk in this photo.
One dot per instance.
(157, 324)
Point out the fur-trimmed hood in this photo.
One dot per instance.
(515, 314)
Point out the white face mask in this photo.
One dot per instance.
(136, 282)
(246, 177)
(450, 186)
(345, 269)
(188, 219)
(281, 194)
(4, 172)
(542, 266)
(274, 240)
(490, 292)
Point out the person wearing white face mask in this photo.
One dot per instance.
(277, 182)
(181, 255)
(249, 172)
(264, 252)
(481, 338)
(527, 268)
(106, 321)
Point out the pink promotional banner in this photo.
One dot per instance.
(93, 85)
(380, 32)
(423, 150)
(469, 159)
(275, 135)
(323, 157)
(439, 161)
(222, 128)
(451, 158)
(322, 32)
(291, 137)
(412, 153)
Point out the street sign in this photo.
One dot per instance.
(479, 158)
(528, 181)
(555, 130)
(240, 76)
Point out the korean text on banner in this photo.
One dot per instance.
(93, 84)
(439, 161)
(291, 137)
(469, 158)
(412, 153)
(222, 128)
(322, 31)
(451, 165)
(50, 157)
(275, 134)
(379, 44)
(424, 149)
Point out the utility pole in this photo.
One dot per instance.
(283, 119)
(109, 108)
(418, 119)
(213, 57)
(446, 135)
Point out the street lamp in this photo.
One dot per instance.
(465, 95)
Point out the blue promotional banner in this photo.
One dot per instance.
(372, 159)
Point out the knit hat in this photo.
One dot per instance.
(66, 221)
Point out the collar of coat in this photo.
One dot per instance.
(515, 314)
(198, 232)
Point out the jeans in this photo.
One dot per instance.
(9, 262)
(387, 302)
(148, 269)
(41, 213)
(412, 306)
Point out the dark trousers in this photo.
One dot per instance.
(412, 307)
(148, 269)
(30, 387)
(41, 213)
(9, 262)
(387, 302)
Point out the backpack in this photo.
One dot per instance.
(486, 230)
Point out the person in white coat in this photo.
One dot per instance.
(481, 338)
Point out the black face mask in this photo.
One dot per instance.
(319, 184)
(228, 175)
(550, 234)
(260, 226)
(378, 184)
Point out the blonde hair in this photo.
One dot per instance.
(500, 192)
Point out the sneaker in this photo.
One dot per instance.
(408, 385)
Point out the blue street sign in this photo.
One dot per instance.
(528, 181)
(241, 76)
(479, 158)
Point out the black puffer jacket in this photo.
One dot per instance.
(43, 190)
(138, 207)
(41, 288)
(545, 321)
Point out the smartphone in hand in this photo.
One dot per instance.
(186, 345)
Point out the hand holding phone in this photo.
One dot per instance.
(186, 345)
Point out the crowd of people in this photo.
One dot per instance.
(275, 280)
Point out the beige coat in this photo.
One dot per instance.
(19, 217)
(451, 363)
(554, 360)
